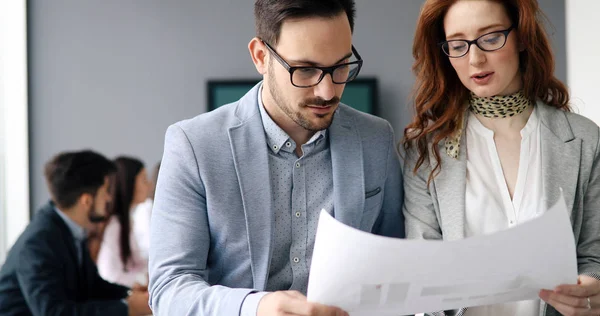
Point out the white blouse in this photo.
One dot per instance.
(109, 262)
(489, 207)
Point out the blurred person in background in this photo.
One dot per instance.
(141, 217)
(49, 270)
(119, 258)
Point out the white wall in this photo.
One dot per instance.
(112, 75)
(14, 161)
(583, 56)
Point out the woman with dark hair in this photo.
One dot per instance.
(141, 217)
(493, 141)
(119, 259)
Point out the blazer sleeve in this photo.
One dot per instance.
(588, 247)
(103, 289)
(420, 216)
(40, 277)
(391, 220)
(180, 239)
(419, 212)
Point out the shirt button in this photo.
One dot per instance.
(297, 165)
(275, 147)
(288, 144)
(296, 259)
(298, 214)
(512, 222)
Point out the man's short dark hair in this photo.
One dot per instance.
(269, 15)
(71, 174)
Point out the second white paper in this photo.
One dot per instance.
(366, 274)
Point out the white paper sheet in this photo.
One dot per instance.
(367, 274)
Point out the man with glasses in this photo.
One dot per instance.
(241, 188)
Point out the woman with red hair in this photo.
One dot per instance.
(493, 141)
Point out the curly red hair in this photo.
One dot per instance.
(440, 97)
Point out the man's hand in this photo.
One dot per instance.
(294, 303)
(138, 303)
(575, 299)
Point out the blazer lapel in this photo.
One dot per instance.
(69, 241)
(66, 235)
(561, 156)
(347, 168)
(450, 188)
(560, 151)
(248, 144)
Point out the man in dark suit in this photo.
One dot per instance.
(49, 271)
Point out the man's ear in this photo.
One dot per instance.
(86, 200)
(258, 53)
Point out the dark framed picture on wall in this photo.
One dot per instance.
(361, 93)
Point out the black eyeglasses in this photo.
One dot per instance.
(488, 42)
(310, 76)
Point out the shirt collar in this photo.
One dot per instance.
(532, 123)
(77, 231)
(277, 138)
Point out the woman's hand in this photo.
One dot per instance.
(582, 298)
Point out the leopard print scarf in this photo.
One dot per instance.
(490, 107)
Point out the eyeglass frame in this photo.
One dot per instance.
(469, 43)
(324, 70)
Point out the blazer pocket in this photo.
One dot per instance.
(372, 193)
(373, 200)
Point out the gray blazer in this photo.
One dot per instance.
(570, 160)
(211, 227)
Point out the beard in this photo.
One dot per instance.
(95, 217)
(296, 116)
